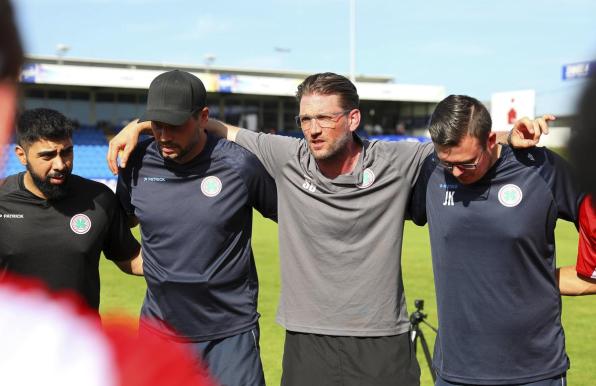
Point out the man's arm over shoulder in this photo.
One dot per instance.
(557, 174)
(272, 150)
(222, 129)
(525, 132)
(124, 143)
(417, 204)
(260, 185)
(408, 156)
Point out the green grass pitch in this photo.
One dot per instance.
(124, 294)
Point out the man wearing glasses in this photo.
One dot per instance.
(342, 206)
(491, 212)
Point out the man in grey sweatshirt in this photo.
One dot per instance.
(341, 206)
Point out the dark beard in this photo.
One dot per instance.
(49, 190)
(182, 152)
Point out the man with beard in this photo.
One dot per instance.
(342, 206)
(194, 195)
(54, 225)
(46, 339)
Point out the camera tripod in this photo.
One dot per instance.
(416, 333)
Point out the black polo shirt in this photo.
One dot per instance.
(60, 241)
(493, 251)
(196, 224)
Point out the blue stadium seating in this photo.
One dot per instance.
(90, 148)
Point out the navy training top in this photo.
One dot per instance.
(196, 224)
(493, 252)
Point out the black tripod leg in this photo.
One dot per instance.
(426, 354)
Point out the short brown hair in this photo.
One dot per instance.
(457, 116)
(328, 83)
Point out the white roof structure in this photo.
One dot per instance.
(51, 70)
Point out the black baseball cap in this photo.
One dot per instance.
(173, 97)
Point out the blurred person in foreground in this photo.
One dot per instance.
(55, 340)
(491, 212)
(342, 207)
(54, 225)
(581, 278)
(11, 60)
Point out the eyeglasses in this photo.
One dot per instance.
(326, 121)
(462, 166)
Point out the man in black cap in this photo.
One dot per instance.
(193, 195)
(345, 201)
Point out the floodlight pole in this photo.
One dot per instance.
(208, 59)
(61, 50)
(353, 40)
